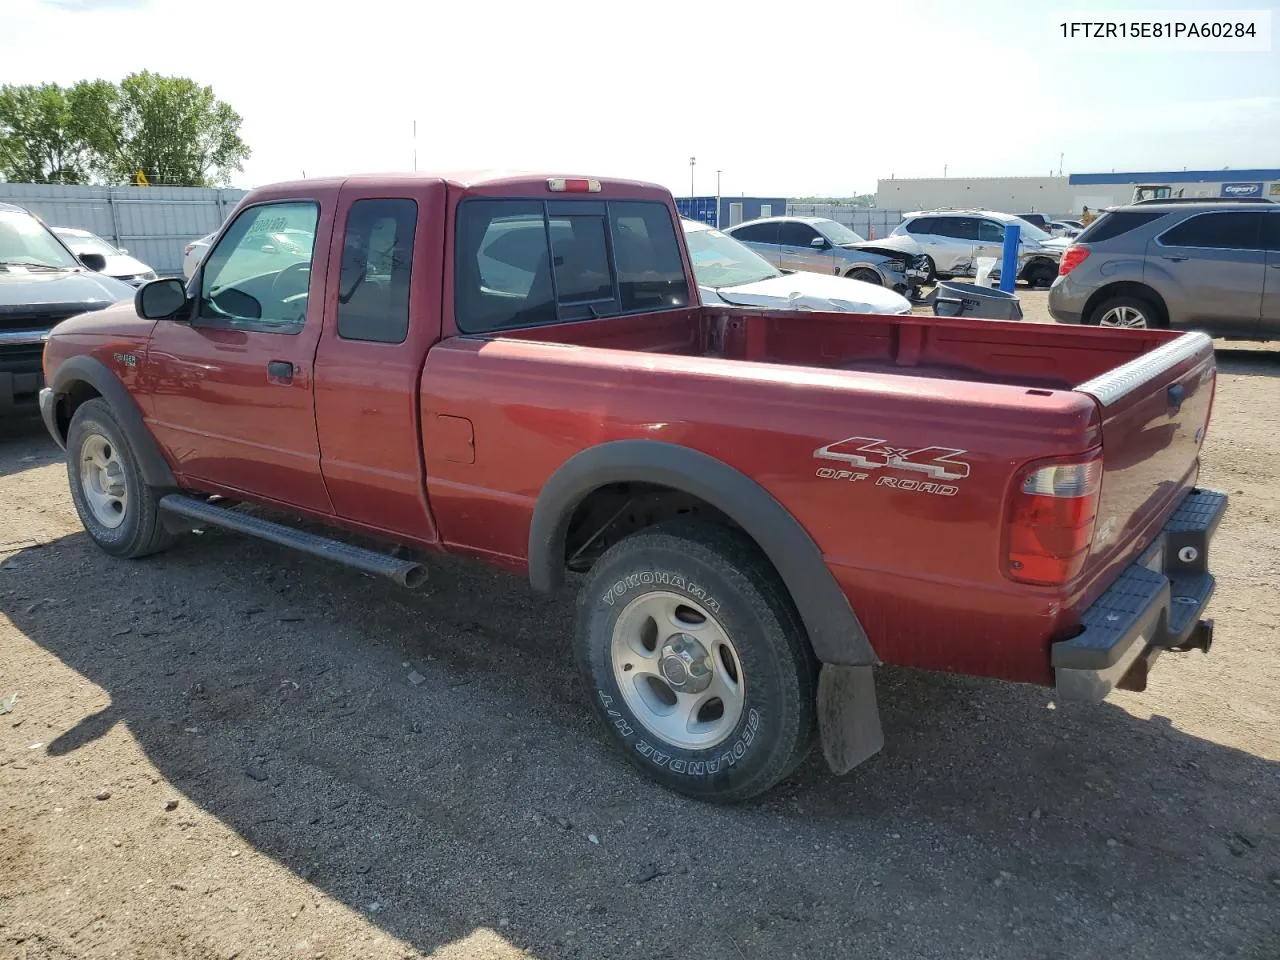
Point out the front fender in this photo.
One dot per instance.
(834, 631)
(82, 369)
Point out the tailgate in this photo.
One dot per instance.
(1154, 411)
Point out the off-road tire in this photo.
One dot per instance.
(723, 571)
(141, 531)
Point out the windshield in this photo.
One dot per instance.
(89, 244)
(1031, 230)
(721, 261)
(24, 239)
(837, 233)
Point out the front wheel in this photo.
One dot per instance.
(119, 511)
(696, 661)
(866, 276)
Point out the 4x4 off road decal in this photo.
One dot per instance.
(871, 453)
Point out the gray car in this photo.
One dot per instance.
(818, 245)
(1211, 265)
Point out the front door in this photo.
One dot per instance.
(231, 398)
(1271, 283)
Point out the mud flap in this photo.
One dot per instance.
(848, 718)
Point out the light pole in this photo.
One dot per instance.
(692, 161)
(718, 172)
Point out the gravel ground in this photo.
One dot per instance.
(233, 751)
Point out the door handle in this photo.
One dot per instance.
(1174, 259)
(280, 371)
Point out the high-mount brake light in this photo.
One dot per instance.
(1051, 519)
(573, 185)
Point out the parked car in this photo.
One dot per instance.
(41, 284)
(194, 252)
(731, 273)
(1063, 228)
(1212, 266)
(953, 240)
(119, 264)
(1018, 501)
(1038, 220)
(818, 245)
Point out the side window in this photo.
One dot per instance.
(650, 271)
(1271, 231)
(1221, 231)
(990, 232)
(960, 228)
(921, 226)
(259, 273)
(377, 254)
(757, 233)
(794, 234)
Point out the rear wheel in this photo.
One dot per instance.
(1130, 312)
(866, 276)
(119, 511)
(696, 661)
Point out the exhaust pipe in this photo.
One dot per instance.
(1200, 638)
(407, 573)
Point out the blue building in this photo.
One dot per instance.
(733, 210)
(1104, 189)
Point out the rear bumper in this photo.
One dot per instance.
(1154, 606)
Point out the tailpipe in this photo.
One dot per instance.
(1200, 638)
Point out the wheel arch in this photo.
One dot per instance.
(1126, 288)
(834, 631)
(83, 378)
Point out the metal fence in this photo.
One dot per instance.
(153, 223)
(865, 221)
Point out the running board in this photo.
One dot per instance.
(407, 573)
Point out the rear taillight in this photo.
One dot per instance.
(1051, 519)
(1072, 257)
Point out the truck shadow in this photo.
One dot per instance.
(1258, 361)
(429, 753)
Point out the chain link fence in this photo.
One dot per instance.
(864, 221)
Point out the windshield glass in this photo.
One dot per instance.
(24, 239)
(837, 233)
(89, 244)
(721, 261)
(1032, 231)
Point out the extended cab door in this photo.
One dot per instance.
(230, 388)
(381, 315)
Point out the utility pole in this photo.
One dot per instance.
(1060, 156)
(944, 171)
(692, 161)
(718, 172)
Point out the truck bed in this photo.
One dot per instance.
(1036, 356)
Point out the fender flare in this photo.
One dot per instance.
(151, 462)
(834, 631)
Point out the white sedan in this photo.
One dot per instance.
(119, 264)
(729, 272)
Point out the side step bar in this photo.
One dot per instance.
(407, 573)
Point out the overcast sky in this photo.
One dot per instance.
(788, 99)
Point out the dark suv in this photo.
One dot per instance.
(1213, 265)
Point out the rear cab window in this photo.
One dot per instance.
(530, 262)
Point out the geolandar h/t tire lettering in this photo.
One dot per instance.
(117, 507)
(696, 661)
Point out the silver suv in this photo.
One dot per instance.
(953, 240)
(1213, 265)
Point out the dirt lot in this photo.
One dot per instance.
(364, 772)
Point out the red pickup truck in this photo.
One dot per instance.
(765, 504)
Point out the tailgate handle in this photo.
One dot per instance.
(1176, 395)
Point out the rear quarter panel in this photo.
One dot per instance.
(923, 570)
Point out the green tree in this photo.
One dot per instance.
(171, 128)
(41, 138)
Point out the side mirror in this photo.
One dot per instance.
(94, 261)
(159, 299)
(819, 243)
